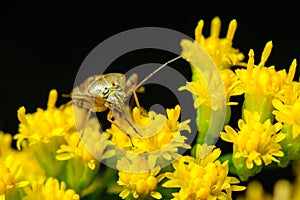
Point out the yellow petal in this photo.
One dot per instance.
(124, 193)
(266, 53)
(238, 188)
(198, 31)
(64, 156)
(156, 195)
(108, 154)
(21, 115)
(22, 183)
(152, 160)
(91, 164)
(215, 27)
(52, 98)
(231, 29)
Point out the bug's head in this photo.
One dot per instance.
(101, 90)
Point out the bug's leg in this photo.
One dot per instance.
(130, 87)
(109, 118)
(136, 100)
(81, 132)
(138, 104)
(131, 83)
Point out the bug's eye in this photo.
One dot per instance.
(105, 91)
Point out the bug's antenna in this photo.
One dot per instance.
(155, 71)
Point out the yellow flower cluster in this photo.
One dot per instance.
(42, 125)
(262, 84)
(283, 189)
(136, 181)
(224, 56)
(50, 189)
(220, 49)
(139, 169)
(50, 150)
(60, 150)
(162, 144)
(268, 94)
(10, 178)
(202, 177)
(254, 144)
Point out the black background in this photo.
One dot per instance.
(42, 46)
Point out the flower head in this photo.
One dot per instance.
(261, 84)
(255, 191)
(283, 189)
(82, 155)
(286, 110)
(288, 114)
(90, 148)
(287, 103)
(44, 132)
(254, 143)
(202, 93)
(19, 165)
(220, 49)
(203, 177)
(259, 79)
(211, 89)
(50, 189)
(162, 144)
(43, 125)
(138, 184)
(10, 171)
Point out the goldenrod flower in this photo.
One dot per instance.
(254, 143)
(203, 101)
(283, 190)
(43, 125)
(82, 156)
(50, 189)
(136, 181)
(261, 84)
(163, 144)
(60, 150)
(31, 168)
(290, 90)
(232, 85)
(44, 130)
(255, 191)
(289, 116)
(74, 146)
(202, 177)
(211, 88)
(198, 87)
(220, 49)
(24, 159)
(289, 113)
(286, 110)
(10, 173)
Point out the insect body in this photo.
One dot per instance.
(110, 92)
(101, 92)
(104, 92)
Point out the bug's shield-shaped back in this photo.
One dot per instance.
(124, 120)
